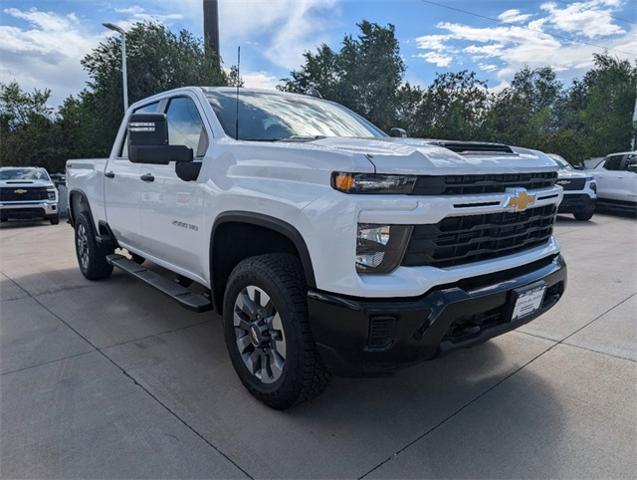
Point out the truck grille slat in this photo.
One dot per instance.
(32, 193)
(459, 240)
(478, 184)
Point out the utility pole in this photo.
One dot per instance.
(121, 31)
(211, 27)
(632, 142)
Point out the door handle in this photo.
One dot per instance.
(148, 177)
(110, 174)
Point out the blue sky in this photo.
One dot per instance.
(41, 42)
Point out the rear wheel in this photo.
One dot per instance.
(91, 256)
(267, 331)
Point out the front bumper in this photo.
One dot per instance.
(576, 203)
(376, 336)
(35, 209)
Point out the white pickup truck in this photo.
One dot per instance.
(28, 193)
(326, 245)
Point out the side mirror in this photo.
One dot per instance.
(148, 141)
(398, 132)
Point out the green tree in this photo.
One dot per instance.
(605, 111)
(365, 75)
(157, 60)
(452, 107)
(28, 132)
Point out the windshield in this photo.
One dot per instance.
(29, 174)
(272, 116)
(560, 161)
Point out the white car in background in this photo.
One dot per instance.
(616, 178)
(580, 190)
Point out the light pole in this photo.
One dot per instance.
(121, 31)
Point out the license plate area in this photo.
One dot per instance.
(527, 300)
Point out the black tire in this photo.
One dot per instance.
(55, 219)
(584, 216)
(91, 256)
(138, 259)
(303, 375)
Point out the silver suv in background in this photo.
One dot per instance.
(27, 193)
(616, 178)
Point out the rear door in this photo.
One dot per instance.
(171, 208)
(123, 191)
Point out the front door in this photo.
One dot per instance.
(171, 208)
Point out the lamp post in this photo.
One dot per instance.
(121, 31)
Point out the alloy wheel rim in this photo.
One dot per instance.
(82, 245)
(259, 334)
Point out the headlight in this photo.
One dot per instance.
(51, 193)
(380, 248)
(372, 183)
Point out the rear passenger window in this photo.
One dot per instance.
(613, 163)
(185, 126)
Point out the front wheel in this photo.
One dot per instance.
(267, 331)
(584, 216)
(91, 256)
(54, 219)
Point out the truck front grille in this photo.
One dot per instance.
(572, 184)
(459, 240)
(476, 184)
(18, 194)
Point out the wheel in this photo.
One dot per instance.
(91, 256)
(55, 219)
(267, 331)
(584, 216)
(138, 259)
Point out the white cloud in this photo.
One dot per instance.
(45, 52)
(507, 48)
(259, 80)
(289, 27)
(487, 67)
(591, 19)
(513, 16)
(437, 59)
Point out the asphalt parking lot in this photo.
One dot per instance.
(113, 380)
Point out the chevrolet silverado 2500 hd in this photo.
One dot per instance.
(327, 246)
(27, 193)
(580, 190)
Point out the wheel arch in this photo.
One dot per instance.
(279, 236)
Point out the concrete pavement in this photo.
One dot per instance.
(113, 380)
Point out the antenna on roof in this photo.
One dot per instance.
(236, 127)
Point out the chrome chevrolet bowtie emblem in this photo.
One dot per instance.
(20, 191)
(519, 199)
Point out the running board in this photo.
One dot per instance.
(186, 298)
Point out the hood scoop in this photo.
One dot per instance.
(474, 148)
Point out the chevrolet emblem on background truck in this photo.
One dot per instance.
(20, 191)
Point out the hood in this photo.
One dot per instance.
(25, 183)
(421, 156)
(565, 173)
